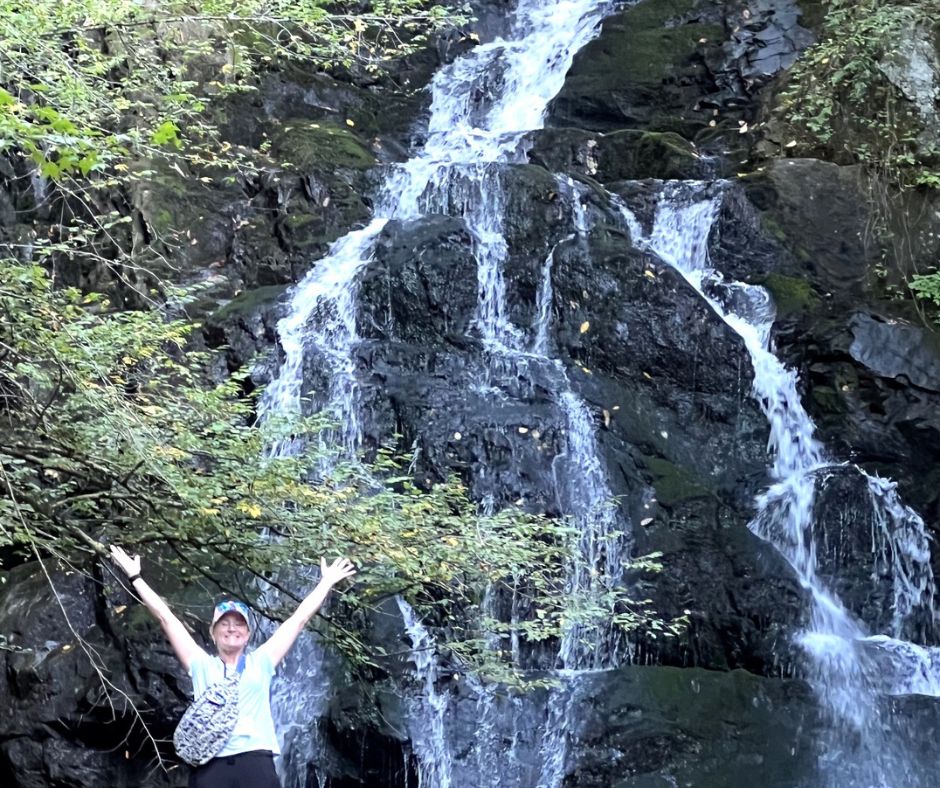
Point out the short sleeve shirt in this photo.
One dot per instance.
(255, 727)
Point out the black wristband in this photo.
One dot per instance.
(132, 578)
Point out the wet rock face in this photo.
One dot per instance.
(863, 542)
(661, 375)
(687, 66)
(626, 154)
(635, 727)
(868, 361)
(65, 713)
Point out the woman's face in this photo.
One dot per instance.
(230, 633)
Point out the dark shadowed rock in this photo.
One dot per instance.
(74, 669)
(619, 155)
(683, 66)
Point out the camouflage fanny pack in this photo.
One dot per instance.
(209, 721)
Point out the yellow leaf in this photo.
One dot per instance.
(585, 326)
(649, 274)
(349, 122)
(253, 510)
(208, 511)
(120, 609)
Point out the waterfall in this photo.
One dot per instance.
(851, 672)
(428, 709)
(323, 317)
(483, 104)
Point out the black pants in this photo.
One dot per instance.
(245, 770)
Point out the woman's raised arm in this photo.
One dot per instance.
(284, 636)
(182, 642)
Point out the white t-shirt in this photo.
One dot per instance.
(255, 727)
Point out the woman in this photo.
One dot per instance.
(247, 758)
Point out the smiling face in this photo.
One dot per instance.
(230, 633)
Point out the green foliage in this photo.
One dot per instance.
(86, 83)
(927, 286)
(839, 101)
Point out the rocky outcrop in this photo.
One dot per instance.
(689, 66)
(83, 667)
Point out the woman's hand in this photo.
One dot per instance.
(340, 569)
(131, 566)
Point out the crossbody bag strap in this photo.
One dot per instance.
(239, 667)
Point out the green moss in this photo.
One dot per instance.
(813, 14)
(163, 221)
(248, 303)
(638, 48)
(673, 484)
(318, 145)
(791, 294)
(827, 400)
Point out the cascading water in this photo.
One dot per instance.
(851, 672)
(429, 709)
(482, 106)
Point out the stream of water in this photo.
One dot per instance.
(482, 106)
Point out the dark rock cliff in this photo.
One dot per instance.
(663, 93)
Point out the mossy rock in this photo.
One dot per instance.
(673, 484)
(309, 145)
(828, 401)
(636, 155)
(630, 154)
(792, 295)
(821, 214)
(813, 13)
(248, 303)
(646, 66)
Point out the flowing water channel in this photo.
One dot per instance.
(853, 672)
(482, 106)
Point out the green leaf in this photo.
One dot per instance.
(167, 133)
